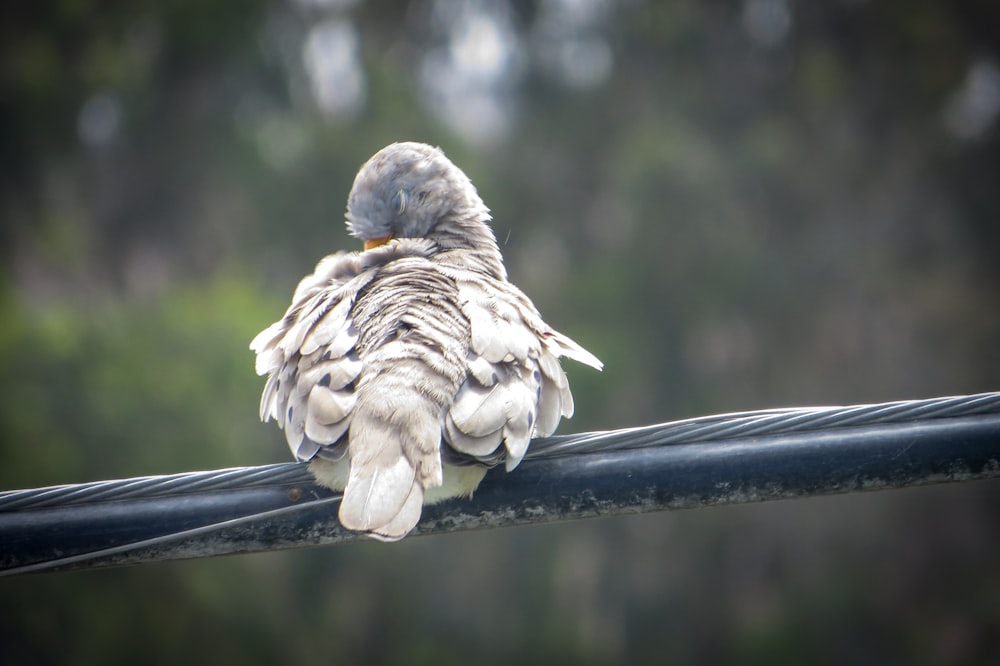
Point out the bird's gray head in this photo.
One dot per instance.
(411, 190)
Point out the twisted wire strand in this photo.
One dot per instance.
(766, 423)
(689, 431)
(146, 487)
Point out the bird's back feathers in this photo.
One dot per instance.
(402, 372)
(389, 355)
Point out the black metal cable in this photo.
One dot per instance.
(740, 457)
(165, 539)
(765, 423)
(145, 487)
(760, 423)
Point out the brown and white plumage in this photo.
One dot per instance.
(404, 371)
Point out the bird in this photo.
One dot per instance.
(405, 370)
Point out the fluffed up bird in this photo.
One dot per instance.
(404, 371)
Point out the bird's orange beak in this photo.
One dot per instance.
(376, 242)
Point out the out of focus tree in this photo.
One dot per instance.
(734, 204)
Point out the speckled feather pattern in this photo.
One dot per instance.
(404, 371)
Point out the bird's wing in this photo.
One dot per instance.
(515, 388)
(359, 351)
(311, 358)
(402, 353)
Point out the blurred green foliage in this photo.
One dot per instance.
(735, 205)
(113, 390)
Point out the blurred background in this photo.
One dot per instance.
(735, 205)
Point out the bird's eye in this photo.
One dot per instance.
(421, 196)
(400, 201)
